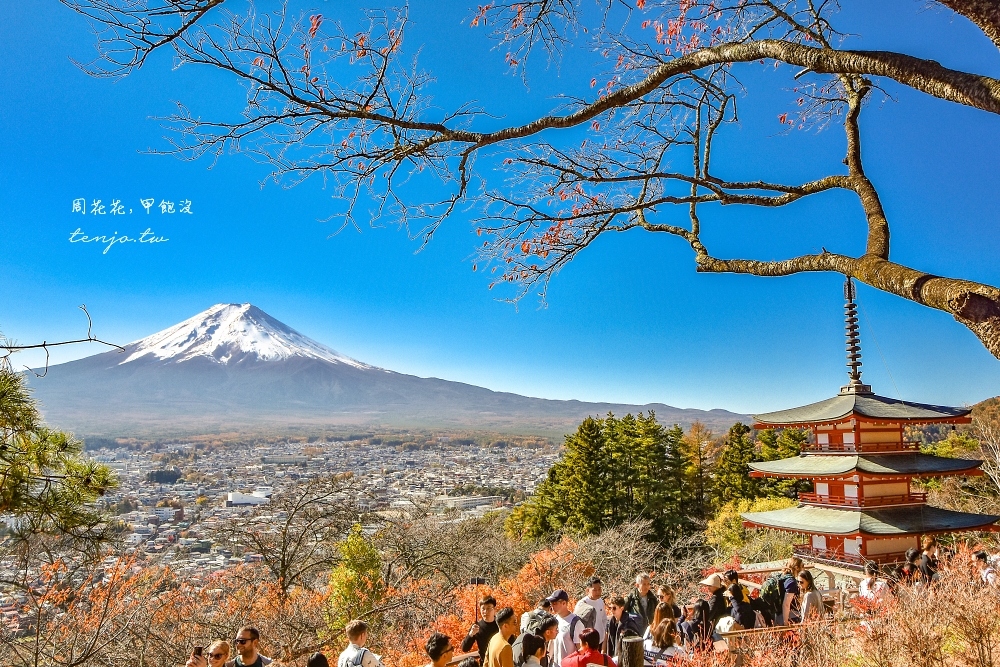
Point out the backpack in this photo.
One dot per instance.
(518, 648)
(763, 609)
(586, 613)
(358, 658)
(572, 624)
(535, 619)
(772, 591)
(569, 645)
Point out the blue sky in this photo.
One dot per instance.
(628, 320)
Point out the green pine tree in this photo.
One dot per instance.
(612, 470)
(540, 515)
(732, 471)
(676, 519)
(45, 483)
(623, 458)
(550, 510)
(583, 478)
(660, 500)
(774, 445)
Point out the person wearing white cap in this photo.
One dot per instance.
(718, 606)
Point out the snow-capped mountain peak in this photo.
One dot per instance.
(230, 333)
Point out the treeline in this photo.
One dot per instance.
(509, 494)
(614, 470)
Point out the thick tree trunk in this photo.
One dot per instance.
(975, 305)
(631, 652)
(984, 13)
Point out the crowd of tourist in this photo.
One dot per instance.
(593, 632)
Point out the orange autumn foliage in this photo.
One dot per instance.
(545, 571)
(126, 610)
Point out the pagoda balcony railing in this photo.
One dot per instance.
(830, 555)
(837, 556)
(868, 501)
(863, 448)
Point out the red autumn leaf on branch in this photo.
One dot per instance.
(314, 22)
(480, 15)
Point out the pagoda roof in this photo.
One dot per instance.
(872, 406)
(887, 521)
(826, 465)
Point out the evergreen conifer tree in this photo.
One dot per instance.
(774, 445)
(612, 470)
(45, 484)
(732, 472)
(676, 519)
(540, 515)
(622, 457)
(660, 499)
(583, 474)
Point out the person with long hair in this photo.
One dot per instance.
(662, 613)
(663, 644)
(872, 588)
(927, 564)
(906, 573)
(216, 656)
(696, 628)
(739, 607)
(791, 612)
(666, 594)
(811, 602)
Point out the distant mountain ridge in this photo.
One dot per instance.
(234, 367)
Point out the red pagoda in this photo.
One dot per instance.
(863, 506)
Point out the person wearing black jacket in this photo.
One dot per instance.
(622, 624)
(718, 605)
(642, 601)
(927, 564)
(739, 608)
(695, 627)
(482, 630)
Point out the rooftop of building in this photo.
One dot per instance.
(829, 465)
(870, 406)
(921, 519)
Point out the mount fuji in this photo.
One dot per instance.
(232, 334)
(234, 367)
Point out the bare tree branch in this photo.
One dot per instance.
(9, 347)
(342, 104)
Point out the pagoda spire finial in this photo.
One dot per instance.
(854, 385)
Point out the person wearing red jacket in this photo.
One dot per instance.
(590, 653)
